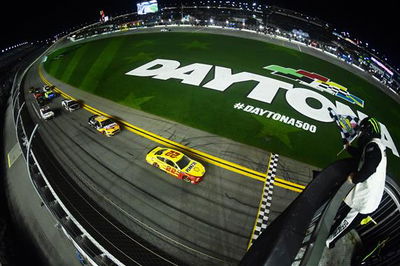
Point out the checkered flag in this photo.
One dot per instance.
(348, 126)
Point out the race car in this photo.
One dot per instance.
(70, 105)
(48, 88)
(177, 164)
(104, 125)
(38, 95)
(50, 94)
(42, 101)
(34, 90)
(46, 113)
(40, 98)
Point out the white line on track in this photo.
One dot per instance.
(150, 228)
(36, 111)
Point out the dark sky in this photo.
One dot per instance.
(374, 23)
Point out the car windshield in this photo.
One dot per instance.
(183, 162)
(160, 152)
(71, 103)
(107, 122)
(45, 111)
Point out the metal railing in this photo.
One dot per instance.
(381, 241)
(281, 241)
(298, 236)
(25, 130)
(314, 242)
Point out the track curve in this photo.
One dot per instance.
(210, 223)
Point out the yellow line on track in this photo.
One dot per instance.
(172, 144)
(9, 160)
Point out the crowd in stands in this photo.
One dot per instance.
(274, 21)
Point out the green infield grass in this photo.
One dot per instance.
(99, 67)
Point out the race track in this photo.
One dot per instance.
(208, 223)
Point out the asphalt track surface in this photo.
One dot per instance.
(208, 223)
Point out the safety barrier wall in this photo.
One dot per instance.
(25, 130)
(281, 241)
(384, 233)
(298, 236)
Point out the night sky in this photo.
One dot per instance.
(375, 24)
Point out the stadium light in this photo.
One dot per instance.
(211, 21)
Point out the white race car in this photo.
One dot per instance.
(47, 88)
(46, 113)
(70, 105)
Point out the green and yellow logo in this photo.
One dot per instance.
(317, 82)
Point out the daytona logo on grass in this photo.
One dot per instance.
(265, 91)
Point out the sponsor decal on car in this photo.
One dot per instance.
(190, 167)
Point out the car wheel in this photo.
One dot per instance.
(156, 165)
(186, 178)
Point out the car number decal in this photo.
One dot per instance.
(171, 170)
(172, 154)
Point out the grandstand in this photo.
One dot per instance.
(271, 20)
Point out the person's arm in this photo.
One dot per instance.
(372, 158)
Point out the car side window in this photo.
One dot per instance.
(161, 159)
(170, 163)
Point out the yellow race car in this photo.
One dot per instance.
(177, 164)
(104, 125)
